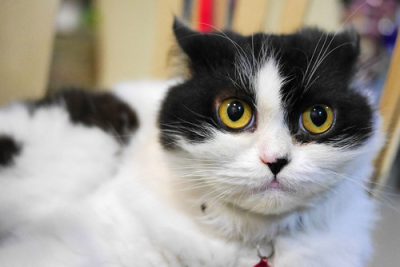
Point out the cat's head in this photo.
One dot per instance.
(267, 122)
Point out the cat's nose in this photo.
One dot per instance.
(277, 165)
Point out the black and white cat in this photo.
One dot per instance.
(265, 149)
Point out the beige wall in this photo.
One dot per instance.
(325, 14)
(134, 38)
(322, 13)
(26, 35)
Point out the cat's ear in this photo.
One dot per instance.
(348, 46)
(184, 36)
(342, 47)
(205, 51)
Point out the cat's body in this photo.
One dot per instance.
(198, 193)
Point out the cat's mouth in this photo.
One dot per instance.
(275, 185)
(270, 186)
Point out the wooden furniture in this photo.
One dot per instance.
(390, 110)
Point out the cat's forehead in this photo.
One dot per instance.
(267, 86)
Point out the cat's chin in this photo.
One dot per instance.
(274, 200)
(270, 198)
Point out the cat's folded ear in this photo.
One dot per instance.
(345, 44)
(348, 45)
(184, 35)
(205, 51)
(339, 51)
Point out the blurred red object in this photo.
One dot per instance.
(206, 15)
(263, 263)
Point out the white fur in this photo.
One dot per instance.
(142, 208)
(59, 163)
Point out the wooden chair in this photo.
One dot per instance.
(390, 110)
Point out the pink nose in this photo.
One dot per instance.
(275, 164)
(267, 158)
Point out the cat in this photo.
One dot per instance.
(264, 150)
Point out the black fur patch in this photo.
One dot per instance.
(189, 109)
(203, 207)
(9, 149)
(102, 110)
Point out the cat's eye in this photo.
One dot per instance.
(318, 119)
(235, 114)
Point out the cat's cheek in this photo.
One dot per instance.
(314, 168)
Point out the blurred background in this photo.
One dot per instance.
(49, 44)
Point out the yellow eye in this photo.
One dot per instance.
(235, 114)
(318, 119)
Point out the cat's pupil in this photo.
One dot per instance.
(235, 110)
(318, 115)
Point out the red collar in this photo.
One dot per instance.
(263, 263)
(264, 260)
